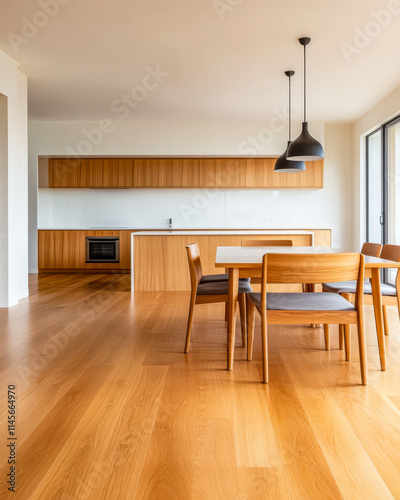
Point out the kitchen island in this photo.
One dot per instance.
(159, 259)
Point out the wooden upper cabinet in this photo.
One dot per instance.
(118, 172)
(165, 172)
(90, 172)
(65, 172)
(259, 173)
(248, 173)
(96, 169)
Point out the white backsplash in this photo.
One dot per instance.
(188, 208)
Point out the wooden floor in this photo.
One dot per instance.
(109, 407)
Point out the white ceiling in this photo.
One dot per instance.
(92, 51)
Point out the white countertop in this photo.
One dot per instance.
(177, 228)
(254, 255)
(207, 233)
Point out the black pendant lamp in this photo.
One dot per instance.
(282, 163)
(305, 147)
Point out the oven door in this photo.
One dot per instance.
(102, 249)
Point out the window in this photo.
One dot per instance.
(383, 187)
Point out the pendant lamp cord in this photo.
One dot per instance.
(305, 81)
(290, 109)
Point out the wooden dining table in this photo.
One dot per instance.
(243, 262)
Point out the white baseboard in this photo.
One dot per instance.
(24, 294)
(33, 270)
(6, 303)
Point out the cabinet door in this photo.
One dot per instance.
(64, 172)
(259, 173)
(118, 172)
(165, 172)
(96, 166)
(145, 172)
(220, 172)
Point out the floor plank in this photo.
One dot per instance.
(109, 406)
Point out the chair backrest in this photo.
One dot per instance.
(310, 268)
(390, 252)
(372, 249)
(267, 243)
(314, 268)
(196, 272)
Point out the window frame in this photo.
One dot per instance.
(367, 139)
(384, 128)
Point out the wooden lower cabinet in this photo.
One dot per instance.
(65, 250)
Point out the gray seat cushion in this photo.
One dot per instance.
(303, 302)
(212, 278)
(350, 287)
(221, 288)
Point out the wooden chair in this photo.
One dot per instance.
(390, 293)
(267, 243)
(211, 292)
(302, 308)
(372, 249)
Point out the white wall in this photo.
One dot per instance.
(382, 112)
(204, 209)
(13, 185)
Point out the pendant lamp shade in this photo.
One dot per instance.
(282, 163)
(305, 147)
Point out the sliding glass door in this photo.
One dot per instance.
(392, 133)
(383, 187)
(374, 187)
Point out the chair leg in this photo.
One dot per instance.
(190, 322)
(250, 328)
(347, 336)
(242, 309)
(327, 337)
(398, 302)
(226, 311)
(264, 342)
(362, 348)
(385, 319)
(310, 288)
(341, 337)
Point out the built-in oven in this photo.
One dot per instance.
(102, 249)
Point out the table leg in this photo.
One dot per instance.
(233, 297)
(377, 299)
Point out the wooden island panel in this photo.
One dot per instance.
(160, 262)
